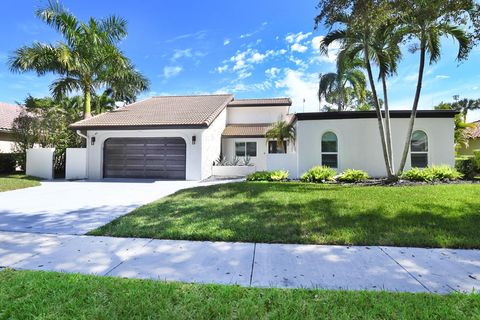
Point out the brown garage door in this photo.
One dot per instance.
(159, 158)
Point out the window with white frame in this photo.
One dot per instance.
(243, 149)
(330, 150)
(419, 149)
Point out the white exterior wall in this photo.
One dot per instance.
(193, 153)
(76, 163)
(6, 142)
(40, 163)
(256, 114)
(359, 144)
(212, 143)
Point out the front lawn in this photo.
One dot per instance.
(419, 216)
(43, 295)
(17, 181)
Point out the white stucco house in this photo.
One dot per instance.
(8, 113)
(180, 137)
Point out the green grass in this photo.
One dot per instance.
(17, 181)
(420, 216)
(42, 295)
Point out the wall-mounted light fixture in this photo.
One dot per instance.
(92, 141)
(194, 139)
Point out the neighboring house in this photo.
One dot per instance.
(474, 141)
(180, 137)
(8, 113)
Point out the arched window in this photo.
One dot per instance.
(419, 149)
(330, 150)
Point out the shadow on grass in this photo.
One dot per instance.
(293, 213)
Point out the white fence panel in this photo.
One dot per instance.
(76, 164)
(283, 161)
(40, 163)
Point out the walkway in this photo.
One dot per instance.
(247, 264)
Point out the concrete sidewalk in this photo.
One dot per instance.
(247, 264)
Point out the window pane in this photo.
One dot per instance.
(272, 147)
(240, 149)
(329, 142)
(419, 160)
(419, 141)
(251, 149)
(330, 160)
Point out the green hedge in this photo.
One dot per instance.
(277, 175)
(433, 173)
(353, 175)
(319, 174)
(8, 163)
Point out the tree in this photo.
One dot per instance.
(281, 131)
(347, 84)
(360, 20)
(428, 21)
(89, 58)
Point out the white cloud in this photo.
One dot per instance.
(475, 88)
(178, 53)
(199, 35)
(297, 37)
(222, 69)
(300, 87)
(226, 42)
(248, 35)
(257, 57)
(411, 77)
(272, 72)
(171, 71)
(298, 47)
(441, 77)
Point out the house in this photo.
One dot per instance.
(180, 137)
(8, 113)
(473, 142)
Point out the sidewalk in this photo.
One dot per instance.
(247, 264)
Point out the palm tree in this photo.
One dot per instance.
(428, 22)
(337, 87)
(88, 60)
(466, 105)
(281, 131)
(357, 40)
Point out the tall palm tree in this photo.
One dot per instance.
(88, 59)
(281, 131)
(466, 105)
(428, 22)
(357, 40)
(337, 87)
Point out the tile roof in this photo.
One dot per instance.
(261, 102)
(164, 111)
(475, 131)
(246, 130)
(8, 113)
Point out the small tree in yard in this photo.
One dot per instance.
(281, 131)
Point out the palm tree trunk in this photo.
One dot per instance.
(388, 127)
(87, 103)
(421, 68)
(386, 157)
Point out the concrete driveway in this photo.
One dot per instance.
(64, 207)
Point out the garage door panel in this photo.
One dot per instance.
(159, 158)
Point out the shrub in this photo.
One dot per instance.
(352, 175)
(8, 163)
(466, 166)
(476, 160)
(432, 173)
(278, 175)
(259, 176)
(319, 174)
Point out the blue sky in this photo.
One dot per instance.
(249, 48)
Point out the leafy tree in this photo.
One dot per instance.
(281, 131)
(347, 84)
(89, 58)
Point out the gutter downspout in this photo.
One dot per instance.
(82, 135)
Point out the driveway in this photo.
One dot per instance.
(64, 207)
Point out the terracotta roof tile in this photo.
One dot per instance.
(193, 111)
(261, 102)
(475, 131)
(246, 130)
(8, 113)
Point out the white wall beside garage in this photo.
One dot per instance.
(76, 163)
(359, 145)
(211, 141)
(40, 163)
